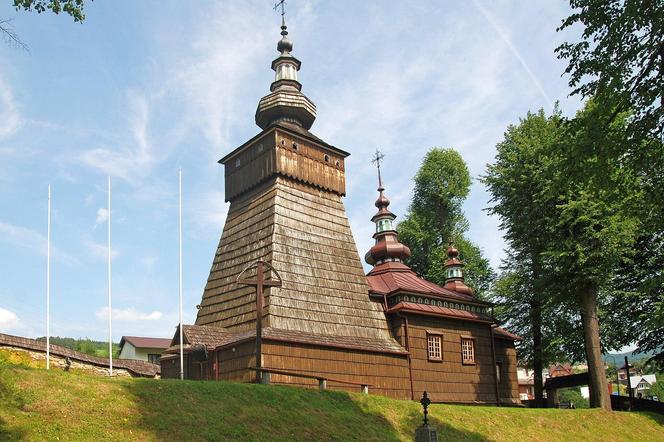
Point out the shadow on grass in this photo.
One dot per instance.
(655, 417)
(7, 433)
(194, 410)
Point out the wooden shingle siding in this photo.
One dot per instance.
(387, 374)
(450, 380)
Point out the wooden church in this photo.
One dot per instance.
(323, 322)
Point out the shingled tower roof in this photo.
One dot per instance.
(285, 186)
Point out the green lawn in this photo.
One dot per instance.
(36, 404)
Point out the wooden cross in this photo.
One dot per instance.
(259, 283)
(378, 157)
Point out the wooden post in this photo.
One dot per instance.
(629, 386)
(495, 364)
(259, 283)
(259, 318)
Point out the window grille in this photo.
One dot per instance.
(468, 350)
(434, 346)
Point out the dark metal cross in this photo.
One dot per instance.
(378, 157)
(259, 283)
(281, 4)
(425, 401)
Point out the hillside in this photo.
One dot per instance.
(56, 405)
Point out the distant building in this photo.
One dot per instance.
(526, 384)
(142, 348)
(642, 383)
(557, 370)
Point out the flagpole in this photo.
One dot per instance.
(180, 268)
(48, 283)
(110, 329)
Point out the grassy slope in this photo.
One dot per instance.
(40, 405)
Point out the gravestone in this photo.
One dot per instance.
(425, 433)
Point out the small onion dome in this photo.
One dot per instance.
(382, 200)
(454, 279)
(284, 45)
(453, 257)
(387, 248)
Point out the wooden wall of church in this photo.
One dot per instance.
(506, 357)
(450, 380)
(386, 373)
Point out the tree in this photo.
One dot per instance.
(620, 59)
(73, 8)
(516, 180)
(435, 218)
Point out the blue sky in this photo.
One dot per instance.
(142, 88)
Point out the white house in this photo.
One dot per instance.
(641, 383)
(142, 348)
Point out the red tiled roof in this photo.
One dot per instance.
(502, 333)
(439, 311)
(144, 342)
(393, 277)
(140, 368)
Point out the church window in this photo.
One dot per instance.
(434, 346)
(326, 158)
(337, 163)
(294, 145)
(498, 370)
(260, 147)
(237, 163)
(468, 350)
(283, 142)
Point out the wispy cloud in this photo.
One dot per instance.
(100, 251)
(128, 315)
(10, 119)
(505, 38)
(8, 320)
(22, 237)
(133, 160)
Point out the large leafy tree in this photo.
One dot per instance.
(516, 181)
(620, 59)
(436, 218)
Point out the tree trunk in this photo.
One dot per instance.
(599, 389)
(538, 363)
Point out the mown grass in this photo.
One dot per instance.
(36, 404)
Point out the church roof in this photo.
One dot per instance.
(215, 337)
(434, 310)
(394, 277)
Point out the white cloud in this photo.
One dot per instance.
(128, 315)
(8, 320)
(31, 240)
(209, 210)
(133, 160)
(10, 120)
(100, 251)
(102, 215)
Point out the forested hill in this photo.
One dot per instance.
(84, 345)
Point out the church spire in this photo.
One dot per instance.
(285, 103)
(454, 279)
(387, 247)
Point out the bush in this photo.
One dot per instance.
(572, 395)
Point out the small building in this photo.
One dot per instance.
(143, 348)
(557, 370)
(526, 382)
(642, 383)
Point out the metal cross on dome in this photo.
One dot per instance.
(280, 3)
(378, 157)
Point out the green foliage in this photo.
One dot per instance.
(572, 395)
(85, 345)
(74, 8)
(619, 59)
(657, 389)
(436, 218)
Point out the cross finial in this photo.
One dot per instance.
(378, 157)
(281, 3)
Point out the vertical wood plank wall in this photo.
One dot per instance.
(387, 373)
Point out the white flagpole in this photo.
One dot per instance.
(48, 283)
(110, 329)
(180, 269)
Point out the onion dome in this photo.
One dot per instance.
(387, 247)
(285, 102)
(454, 279)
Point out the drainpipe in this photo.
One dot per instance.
(493, 357)
(410, 367)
